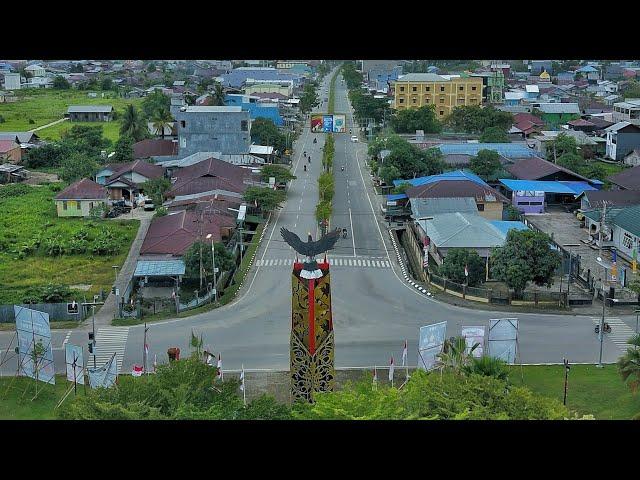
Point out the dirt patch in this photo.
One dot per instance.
(39, 178)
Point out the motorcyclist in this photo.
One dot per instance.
(309, 158)
(342, 168)
(344, 233)
(315, 140)
(305, 168)
(304, 154)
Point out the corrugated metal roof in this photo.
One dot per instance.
(575, 188)
(462, 230)
(453, 175)
(428, 207)
(159, 268)
(398, 196)
(507, 150)
(211, 109)
(504, 226)
(90, 109)
(559, 108)
(422, 77)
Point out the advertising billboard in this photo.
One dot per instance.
(316, 123)
(503, 339)
(327, 123)
(339, 124)
(430, 344)
(473, 335)
(72, 352)
(33, 330)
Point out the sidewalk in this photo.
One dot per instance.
(108, 310)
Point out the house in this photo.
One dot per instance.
(422, 208)
(10, 173)
(209, 177)
(22, 138)
(90, 113)
(213, 129)
(36, 70)
(238, 76)
(531, 196)
(627, 111)
(536, 67)
(565, 78)
(557, 113)
(125, 180)
(526, 124)
(10, 150)
(632, 158)
(447, 231)
(255, 107)
(12, 81)
(505, 150)
(282, 87)
(541, 142)
(590, 72)
(582, 125)
(628, 179)
(536, 168)
(514, 97)
(614, 198)
(624, 228)
(79, 198)
(172, 235)
(154, 149)
(456, 184)
(622, 139)
(8, 97)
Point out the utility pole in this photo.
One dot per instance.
(144, 349)
(567, 367)
(200, 236)
(603, 216)
(92, 334)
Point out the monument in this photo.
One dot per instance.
(312, 340)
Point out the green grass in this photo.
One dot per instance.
(16, 395)
(44, 106)
(610, 168)
(61, 325)
(24, 218)
(591, 390)
(110, 130)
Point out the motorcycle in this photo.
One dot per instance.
(315, 140)
(344, 233)
(305, 168)
(606, 328)
(342, 168)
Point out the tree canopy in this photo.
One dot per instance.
(454, 263)
(268, 199)
(61, 83)
(485, 163)
(412, 119)
(154, 102)
(265, 132)
(309, 98)
(494, 135)
(224, 259)
(77, 166)
(525, 257)
(123, 151)
(407, 160)
(281, 173)
(477, 119)
(133, 124)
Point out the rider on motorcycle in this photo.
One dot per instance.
(344, 233)
(305, 168)
(342, 168)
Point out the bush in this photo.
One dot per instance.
(14, 190)
(50, 293)
(2, 120)
(31, 121)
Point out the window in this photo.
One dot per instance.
(441, 99)
(535, 203)
(442, 88)
(627, 241)
(401, 100)
(523, 203)
(64, 204)
(244, 125)
(183, 123)
(402, 89)
(183, 142)
(441, 112)
(474, 88)
(427, 88)
(481, 207)
(461, 88)
(414, 89)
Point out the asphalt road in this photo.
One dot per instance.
(374, 309)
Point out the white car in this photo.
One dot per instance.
(354, 138)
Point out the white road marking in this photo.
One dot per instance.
(353, 237)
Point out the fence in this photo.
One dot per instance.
(56, 311)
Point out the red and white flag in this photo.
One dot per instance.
(404, 354)
(242, 379)
(220, 374)
(137, 371)
(391, 369)
(466, 271)
(146, 349)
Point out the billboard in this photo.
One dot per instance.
(473, 335)
(32, 328)
(324, 123)
(503, 339)
(72, 352)
(430, 344)
(339, 124)
(104, 376)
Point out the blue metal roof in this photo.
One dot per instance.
(398, 196)
(159, 268)
(507, 150)
(504, 226)
(575, 188)
(454, 175)
(587, 69)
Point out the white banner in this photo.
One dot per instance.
(105, 376)
(430, 344)
(473, 335)
(32, 327)
(503, 339)
(72, 352)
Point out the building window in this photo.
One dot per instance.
(480, 207)
(427, 89)
(441, 99)
(244, 125)
(183, 123)
(442, 88)
(461, 88)
(183, 142)
(627, 241)
(414, 89)
(64, 204)
(414, 100)
(474, 88)
(401, 100)
(402, 89)
(441, 112)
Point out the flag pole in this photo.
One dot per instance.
(244, 388)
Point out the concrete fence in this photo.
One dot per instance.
(56, 311)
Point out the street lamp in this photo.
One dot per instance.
(604, 300)
(213, 261)
(115, 289)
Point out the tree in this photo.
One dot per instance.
(123, 151)
(409, 160)
(525, 257)
(85, 139)
(281, 173)
(453, 266)
(309, 98)
(412, 119)
(629, 364)
(563, 144)
(476, 119)
(156, 188)
(455, 356)
(218, 95)
(77, 166)
(572, 161)
(389, 173)
(161, 119)
(494, 135)
(512, 213)
(268, 199)
(106, 84)
(224, 259)
(631, 90)
(265, 132)
(154, 102)
(151, 67)
(489, 367)
(485, 163)
(61, 83)
(133, 124)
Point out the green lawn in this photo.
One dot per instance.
(44, 106)
(32, 216)
(591, 390)
(110, 130)
(610, 168)
(16, 395)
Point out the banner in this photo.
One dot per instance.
(316, 123)
(327, 123)
(430, 344)
(503, 338)
(33, 330)
(71, 352)
(473, 335)
(339, 124)
(105, 376)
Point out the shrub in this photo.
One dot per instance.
(50, 293)
(14, 190)
(54, 246)
(2, 120)
(31, 121)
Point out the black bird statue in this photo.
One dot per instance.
(310, 248)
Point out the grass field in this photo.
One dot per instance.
(591, 390)
(16, 395)
(44, 106)
(110, 130)
(28, 217)
(610, 168)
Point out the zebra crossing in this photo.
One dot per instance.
(110, 340)
(620, 332)
(335, 262)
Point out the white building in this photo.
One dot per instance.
(12, 81)
(36, 70)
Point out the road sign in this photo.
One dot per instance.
(73, 308)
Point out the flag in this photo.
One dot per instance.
(466, 271)
(220, 374)
(391, 368)
(242, 379)
(404, 354)
(425, 262)
(614, 265)
(146, 349)
(173, 294)
(137, 371)
(375, 375)
(155, 362)
(210, 359)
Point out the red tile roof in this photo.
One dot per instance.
(210, 174)
(174, 234)
(154, 148)
(84, 189)
(454, 188)
(146, 169)
(522, 117)
(580, 122)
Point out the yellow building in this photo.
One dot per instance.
(545, 77)
(416, 90)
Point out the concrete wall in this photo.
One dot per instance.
(213, 132)
(56, 311)
(626, 143)
(492, 210)
(76, 208)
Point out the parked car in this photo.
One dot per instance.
(354, 138)
(149, 206)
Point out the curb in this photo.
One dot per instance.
(418, 287)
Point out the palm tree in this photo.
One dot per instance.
(161, 120)
(629, 364)
(133, 124)
(489, 367)
(218, 95)
(455, 355)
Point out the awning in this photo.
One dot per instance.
(159, 268)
